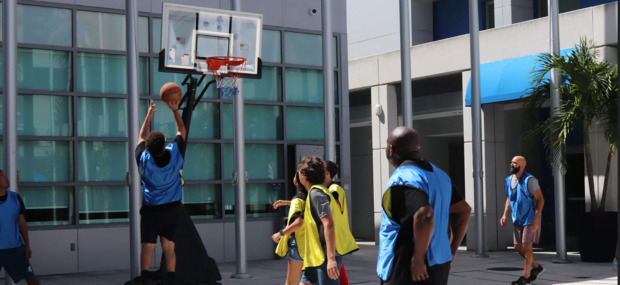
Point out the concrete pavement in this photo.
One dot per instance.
(499, 268)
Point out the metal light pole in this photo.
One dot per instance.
(476, 125)
(239, 146)
(405, 62)
(558, 171)
(328, 81)
(9, 102)
(133, 102)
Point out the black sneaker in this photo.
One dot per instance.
(521, 281)
(536, 272)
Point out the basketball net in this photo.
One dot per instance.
(226, 70)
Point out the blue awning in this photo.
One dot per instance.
(505, 80)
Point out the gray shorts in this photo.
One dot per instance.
(526, 235)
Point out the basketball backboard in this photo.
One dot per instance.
(190, 34)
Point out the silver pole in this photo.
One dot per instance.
(9, 57)
(558, 173)
(239, 145)
(618, 120)
(9, 101)
(476, 125)
(405, 62)
(328, 82)
(133, 102)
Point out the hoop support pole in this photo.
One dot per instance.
(202, 92)
(189, 96)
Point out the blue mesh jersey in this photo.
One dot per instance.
(161, 185)
(9, 229)
(438, 186)
(521, 203)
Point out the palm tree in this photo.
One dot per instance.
(589, 96)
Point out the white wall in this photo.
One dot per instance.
(451, 55)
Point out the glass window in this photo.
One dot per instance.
(262, 161)
(304, 85)
(202, 163)
(334, 51)
(143, 76)
(261, 122)
(258, 198)
(305, 123)
(101, 73)
(268, 88)
(104, 204)
(156, 35)
(100, 30)
(43, 115)
(270, 49)
(161, 78)
(102, 161)
(43, 25)
(43, 70)
(143, 34)
(45, 161)
(163, 120)
(102, 117)
(306, 49)
(49, 205)
(205, 121)
(203, 201)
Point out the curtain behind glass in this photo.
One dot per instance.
(101, 73)
(262, 161)
(305, 123)
(49, 205)
(258, 197)
(102, 161)
(262, 122)
(43, 25)
(104, 204)
(43, 115)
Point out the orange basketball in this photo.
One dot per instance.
(170, 92)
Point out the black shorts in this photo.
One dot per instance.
(401, 270)
(156, 222)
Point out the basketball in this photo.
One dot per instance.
(170, 92)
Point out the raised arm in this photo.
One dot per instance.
(174, 106)
(144, 130)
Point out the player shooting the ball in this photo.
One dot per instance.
(159, 165)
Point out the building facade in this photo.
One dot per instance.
(72, 126)
(512, 34)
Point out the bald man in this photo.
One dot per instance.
(414, 242)
(526, 201)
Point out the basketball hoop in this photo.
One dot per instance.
(226, 70)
